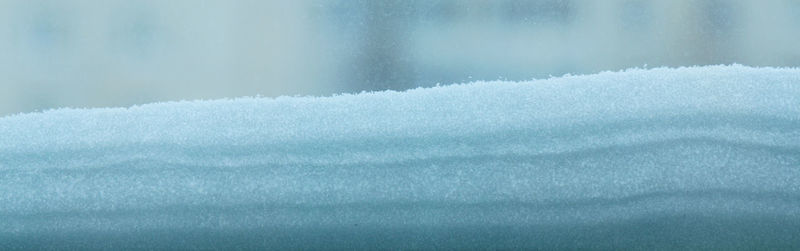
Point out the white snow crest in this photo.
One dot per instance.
(542, 162)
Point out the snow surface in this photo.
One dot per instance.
(661, 158)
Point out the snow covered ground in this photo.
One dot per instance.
(660, 158)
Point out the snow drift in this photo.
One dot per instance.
(661, 158)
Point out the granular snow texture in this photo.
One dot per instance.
(697, 157)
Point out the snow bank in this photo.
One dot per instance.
(691, 157)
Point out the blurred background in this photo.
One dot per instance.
(98, 53)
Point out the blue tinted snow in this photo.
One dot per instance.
(697, 157)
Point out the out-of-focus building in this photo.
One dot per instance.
(455, 41)
(85, 53)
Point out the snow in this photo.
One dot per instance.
(644, 158)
